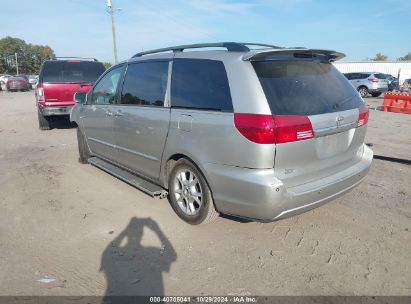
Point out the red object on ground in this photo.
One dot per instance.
(397, 102)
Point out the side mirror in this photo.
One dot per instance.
(80, 97)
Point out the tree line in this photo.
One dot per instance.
(382, 57)
(29, 56)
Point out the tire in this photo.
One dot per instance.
(375, 94)
(44, 122)
(201, 209)
(83, 151)
(363, 91)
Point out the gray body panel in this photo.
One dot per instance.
(140, 135)
(97, 125)
(260, 181)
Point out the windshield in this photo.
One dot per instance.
(72, 71)
(302, 87)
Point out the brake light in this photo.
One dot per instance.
(292, 128)
(256, 128)
(268, 129)
(373, 79)
(40, 94)
(363, 116)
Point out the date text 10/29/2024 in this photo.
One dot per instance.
(204, 299)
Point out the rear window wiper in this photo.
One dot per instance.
(341, 102)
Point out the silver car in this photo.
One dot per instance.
(255, 133)
(369, 83)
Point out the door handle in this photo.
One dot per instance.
(108, 113)
(118, 113)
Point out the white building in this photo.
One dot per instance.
(386, 67)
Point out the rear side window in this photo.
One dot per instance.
(305, 87)
(363, 75)
(71, 71)
(380, 76)
(200, 84)
(145, 84)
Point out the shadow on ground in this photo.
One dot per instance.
(133, 269)
(62, 122)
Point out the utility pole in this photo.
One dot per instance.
(112, 11)
(17, 64)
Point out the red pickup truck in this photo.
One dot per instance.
(59, 79)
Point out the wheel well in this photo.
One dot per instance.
(170, 165)
(362, 86)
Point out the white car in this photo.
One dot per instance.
(4, 78)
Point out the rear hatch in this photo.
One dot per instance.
(59, 80)
(319, 117)
(380, 79)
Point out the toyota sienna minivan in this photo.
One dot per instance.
(254, 131)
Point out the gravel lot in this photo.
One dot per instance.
(71, 229)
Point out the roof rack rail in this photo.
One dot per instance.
(230, 46)
(78, 58)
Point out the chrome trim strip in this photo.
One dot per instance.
(102, 142)
(333, 130)
(123, 149)
(137, 153)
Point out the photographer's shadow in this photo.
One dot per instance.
(132, 269)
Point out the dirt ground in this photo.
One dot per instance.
(71, 229)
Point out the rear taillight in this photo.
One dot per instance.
(292, 128)
(363, 116)
(267, 129)
(255, 127)
(373, 79)
(40, 94)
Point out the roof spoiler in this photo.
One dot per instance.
(262, 54)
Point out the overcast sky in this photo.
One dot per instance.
(359, 28)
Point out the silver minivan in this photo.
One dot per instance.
(256, 133)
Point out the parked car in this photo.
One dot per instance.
(251, 133)
(33, 79)
(59, 79)
(368, 83)
(17, 83)
(4, 78)
(406, 86)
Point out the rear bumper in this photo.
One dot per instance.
(378, 89)
(16, 87)
(258, 194)
(54, 110)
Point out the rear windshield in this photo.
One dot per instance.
(305, 87)
(74, 71)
